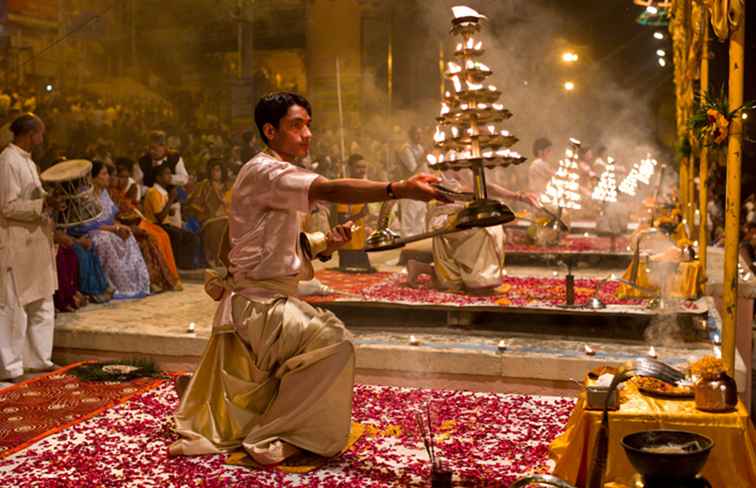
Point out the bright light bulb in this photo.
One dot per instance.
(660, 53)
(569, 85)
(662, 62)
(652, 10)
(744, 116)
(658, 35)
(569, 57)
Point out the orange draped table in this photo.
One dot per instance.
(731, 464)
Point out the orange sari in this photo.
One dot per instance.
(167, 279)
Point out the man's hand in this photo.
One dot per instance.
(85, 242)
(121, 231)
(420, 187)
(65, 240)
(529, 198)
(54, 202)
(338, 237)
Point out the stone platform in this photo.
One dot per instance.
(535, 359)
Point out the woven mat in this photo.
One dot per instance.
(49, 403)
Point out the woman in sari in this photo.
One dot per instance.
(208, 203)
(153, 241)
(114, 244)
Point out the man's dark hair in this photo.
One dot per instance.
(273, 107)
(124, 163)
(25, 124)
(212, 163)
(541, 144)
(160, 169)
(354, 158)
(97, 166)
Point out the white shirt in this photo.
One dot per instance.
(539, 174)
(268, 201)
(175, 219)
(412, 158)
(26, 244)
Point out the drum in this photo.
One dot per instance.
(71, 181)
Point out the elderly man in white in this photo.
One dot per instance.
(28, 275)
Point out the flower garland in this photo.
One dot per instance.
(711, 120)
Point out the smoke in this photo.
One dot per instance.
(664, 331)
(524, 41)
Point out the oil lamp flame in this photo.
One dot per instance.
(431, 159)
(470, 43)
(457, 83)
(589, 350)
(454, 67)
(444, 109)
(651, 352)
(439, 136)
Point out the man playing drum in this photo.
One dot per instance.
(28, 276)
(277, 374)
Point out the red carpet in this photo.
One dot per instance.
(487, 440)
(51, 402)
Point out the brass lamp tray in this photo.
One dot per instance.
(465, 26)
(483, 116)
(469, 52)
(495, 141)
(492, 162)
(483, 95)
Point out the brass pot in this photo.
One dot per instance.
(719, 394)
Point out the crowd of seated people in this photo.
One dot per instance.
(142, 238)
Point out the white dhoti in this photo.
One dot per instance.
(26, 331)
(470, 259)
(412, 217)
(276, 377)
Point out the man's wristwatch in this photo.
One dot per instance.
(390, 191)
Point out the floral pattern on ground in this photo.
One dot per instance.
(487, 439)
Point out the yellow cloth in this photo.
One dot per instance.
(685, 282)
(725, 15)
(359, 234)
(732, 462)
(153, 204)
(276, 377)
(303, 462)
(645, 289)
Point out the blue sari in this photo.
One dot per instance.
(121, 259)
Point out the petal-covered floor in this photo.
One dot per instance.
(487, 439)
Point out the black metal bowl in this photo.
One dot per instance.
(671, 466)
